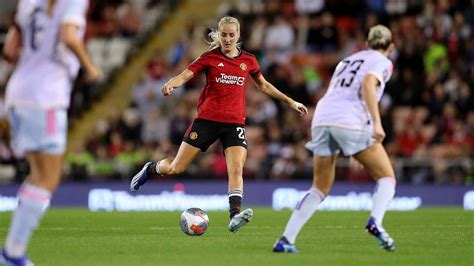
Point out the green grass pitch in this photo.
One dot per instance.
(79, 237)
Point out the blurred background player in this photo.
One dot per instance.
(46, 43)
(221, 113)
(347, 119)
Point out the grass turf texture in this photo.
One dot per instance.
(79, 237)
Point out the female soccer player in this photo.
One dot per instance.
(48, 35)
(347, 119)
(221, 113)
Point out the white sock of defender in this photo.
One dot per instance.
(383, 194)
(303, 211)
(32, 203)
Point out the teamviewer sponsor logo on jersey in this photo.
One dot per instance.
(232, 80)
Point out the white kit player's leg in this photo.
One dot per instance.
(33, 202)
(302, 213)
(383, 194)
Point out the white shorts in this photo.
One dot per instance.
(38, 130)
(327, 141)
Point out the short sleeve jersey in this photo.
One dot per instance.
(223, 97)
(46, 68)
(343, 104)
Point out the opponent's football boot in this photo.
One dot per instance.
(385, 241)
(283, 246)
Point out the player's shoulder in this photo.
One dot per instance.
(212, 52)
(76, 3)
(247, 53)
(24, 3)
(25, 7)
(24, 10)
(371, 59)
(379, 63)
(375, 56)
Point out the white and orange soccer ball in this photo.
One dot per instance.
(194, 222)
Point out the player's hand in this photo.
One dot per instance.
(167, 89)
(300, 108)
(93, 74)
(379, 133)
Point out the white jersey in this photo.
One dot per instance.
(343, 105)
(47, 68)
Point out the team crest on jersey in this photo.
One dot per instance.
(243, 66)
(193, 135)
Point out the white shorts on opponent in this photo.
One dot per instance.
(38, 129)
(327, 141)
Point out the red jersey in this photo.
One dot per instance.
(223, 97)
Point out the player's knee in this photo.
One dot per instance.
(235, 171)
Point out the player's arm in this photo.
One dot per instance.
(176, 82)
(369, 88)
(69, 36)
(267, 88)
(13, 44)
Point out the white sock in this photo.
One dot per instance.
(32, 203)
(383, 194)
(157, 167)
(303, 211)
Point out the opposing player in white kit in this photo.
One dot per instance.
(347, 120)
(46, 43)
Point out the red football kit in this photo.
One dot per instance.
(223, 97)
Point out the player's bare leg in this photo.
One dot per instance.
(377, 163)
(235, 159)
(180, 163)
(177, 165)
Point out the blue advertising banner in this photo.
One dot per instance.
(212, 195)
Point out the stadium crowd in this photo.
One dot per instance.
(427, 109)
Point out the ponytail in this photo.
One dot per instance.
(49, 9)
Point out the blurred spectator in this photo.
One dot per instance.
(155, 127)
(129, 19)
(309, 6)
(322, 35)
(279, 35)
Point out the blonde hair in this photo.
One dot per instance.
(49, 8)
(379, 37)
(214, 34)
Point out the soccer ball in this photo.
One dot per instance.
(194, 222)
